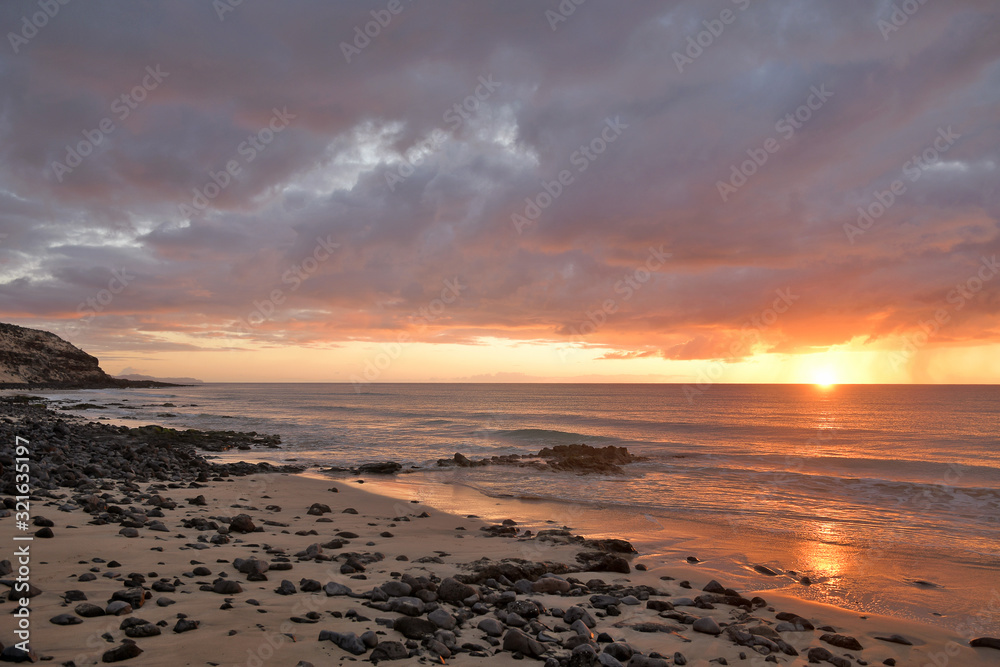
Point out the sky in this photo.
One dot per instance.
(506, 190)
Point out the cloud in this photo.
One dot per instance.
(324, 176)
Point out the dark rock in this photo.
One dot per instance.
(142, 630)
(226, 587)
(413, 628)
(242, 523)
(318, 509)
(125, 651)
(454, 591)
(818, 654)
(491, 626)
(186, 625)
(382, 468)
(896, 639)
(14, 654)
(707, 625)
(88, 610)
(66, 619)
(985, 642)
(345, 640)
(517, 641)
(389, 651)
(842, 641)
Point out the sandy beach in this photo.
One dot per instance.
(394, 539)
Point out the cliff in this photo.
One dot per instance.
(38, 359)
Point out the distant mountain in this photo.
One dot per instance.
(136, 377)
(39, 359)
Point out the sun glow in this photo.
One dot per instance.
(825, 377)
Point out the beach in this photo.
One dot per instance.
(342, 562)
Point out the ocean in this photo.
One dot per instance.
(886, 497)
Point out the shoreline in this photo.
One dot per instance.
(438, 546)
(258, 495)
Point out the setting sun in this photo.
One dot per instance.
(825, 377)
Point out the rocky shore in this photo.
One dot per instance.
(139, 538)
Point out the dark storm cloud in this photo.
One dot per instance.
(326, 175)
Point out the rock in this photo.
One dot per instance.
(382, 468)
(142, 630)
(413, 628)
(88, 610)
(765, 570)
(345, 640)
(389, 651)
(125, 651)
(66, 619)
(799, 622)
(550, 585)
(226, 587)
(707, 625)
(517, 641)
(896, 639)
(985, 642)
(134, 596)
(714, 587)
(318, 509)
(409, 606)
(285, 588)
(14, 654)
(334, 588)
(396, 588)
(607, 660)
(603, 601)
(577, 612)
(242, 523)
(45, 532)
(842, 641)
(491, 626)
(597, 561)
(818, 654)
(186, 625)
(442, 619)
(129, 532)
(620, 651)
(118, 608)
(454, 591)
(643, 661)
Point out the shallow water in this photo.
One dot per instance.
(865, 489)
